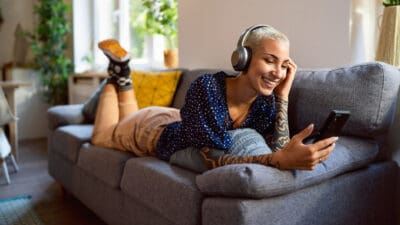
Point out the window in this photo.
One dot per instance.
(96, 20)
(364, 29)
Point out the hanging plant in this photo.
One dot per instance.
(49, 45)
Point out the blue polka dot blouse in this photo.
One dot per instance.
(206, 120)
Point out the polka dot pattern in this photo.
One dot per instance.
(206, 120)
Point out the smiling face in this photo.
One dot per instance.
(268, 65)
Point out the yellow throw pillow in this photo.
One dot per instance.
(155, 88)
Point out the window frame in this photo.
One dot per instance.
(89, 28)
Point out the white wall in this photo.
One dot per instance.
(31, 109)
(13, 12)
(318, 30)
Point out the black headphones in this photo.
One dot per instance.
(241, 57)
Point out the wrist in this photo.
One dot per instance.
(276, 160)
(283, 98)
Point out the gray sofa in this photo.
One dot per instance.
(358, 184)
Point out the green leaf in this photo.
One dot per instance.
(158, 17)
(391, 2)
(48, 43)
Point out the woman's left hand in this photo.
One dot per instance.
(283, 89)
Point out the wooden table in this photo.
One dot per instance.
(9, 88)
(81, 86)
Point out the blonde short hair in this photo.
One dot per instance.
(256, 36)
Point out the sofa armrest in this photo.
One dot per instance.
(65, 114)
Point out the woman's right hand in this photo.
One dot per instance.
(297, 155)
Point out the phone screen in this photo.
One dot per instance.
(333, 124)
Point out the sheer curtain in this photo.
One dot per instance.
(365, 21)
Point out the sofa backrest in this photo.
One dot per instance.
(186, 79)
(368, 90)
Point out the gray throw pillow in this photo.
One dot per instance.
(244, 142)
(6, 115)
(259, 181)
(90, 106)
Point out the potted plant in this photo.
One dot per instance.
(160, 17)
(49, 45)
(391, 2)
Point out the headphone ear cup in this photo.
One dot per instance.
(248, 58)
(240, 58)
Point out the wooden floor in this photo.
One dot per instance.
(52, 206)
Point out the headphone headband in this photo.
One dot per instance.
(241, 57)
(246, 33)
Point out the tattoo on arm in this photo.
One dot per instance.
(276, 141)
(227, 159)
(281, 136)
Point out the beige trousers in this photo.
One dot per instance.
(120, 125)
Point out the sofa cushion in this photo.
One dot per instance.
(105, 164)
(166, 189)
(89, 108)
(245, 141)
(67, 140)
(151, 88)
(155, 88)
(368, 90)
(258, 181)
(365, 196)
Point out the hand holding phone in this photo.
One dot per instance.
(333, 124)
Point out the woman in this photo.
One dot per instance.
(214, 106)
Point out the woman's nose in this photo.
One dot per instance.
(278, 72)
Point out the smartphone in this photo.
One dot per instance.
(333, 124)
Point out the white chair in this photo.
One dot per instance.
(5, 153)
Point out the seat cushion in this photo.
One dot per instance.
(365, 196)
(67, 140)
(166, 189)
(105, 164)
(258, 181)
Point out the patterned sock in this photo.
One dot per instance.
(120, 74)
